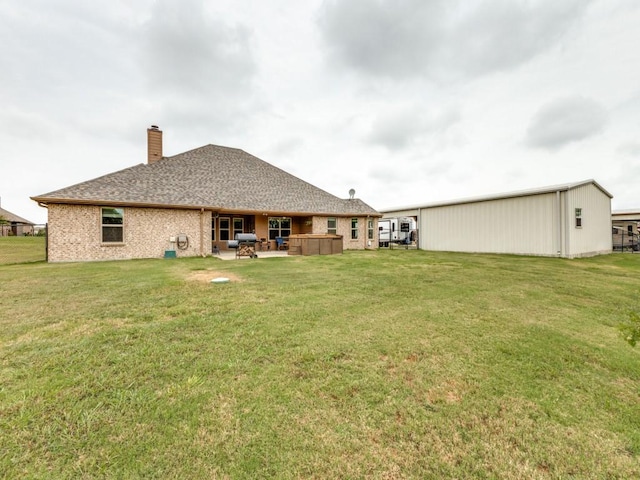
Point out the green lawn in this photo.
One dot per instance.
(22, 249)
(389, 364)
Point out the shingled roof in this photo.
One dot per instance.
(13, 218)
(211, 177)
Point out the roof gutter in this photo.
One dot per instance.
(202, 232)
(43, 201)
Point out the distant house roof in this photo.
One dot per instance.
(628, 214)
(210, 177)
(13, 218)
(628, 211)
(521, 193)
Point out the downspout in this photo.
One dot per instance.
(202, 232)
(559, 233)
(46, 232)
(419, 227)
(566, 226)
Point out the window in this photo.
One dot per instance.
(578, 217)
(213, 228)
(279, 227)
(630, 229)
(332, 225)
(354, 229)
(112, 225)
(370, 229)
(238, 226)
(225, 225)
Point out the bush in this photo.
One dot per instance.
(631, 329)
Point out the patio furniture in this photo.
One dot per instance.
(281, 244)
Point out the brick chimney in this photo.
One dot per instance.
(154, 144)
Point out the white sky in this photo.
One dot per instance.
(406, 101)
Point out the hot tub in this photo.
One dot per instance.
(315, 244)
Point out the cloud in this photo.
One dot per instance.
(442, 39)
(564, 121)
(383, 38)
(631, 149)
(503, 34)
(403, 127)
(187, 51)
(60, 58)
(197, 67)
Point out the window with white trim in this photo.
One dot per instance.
(354, 229)
(332, 225)
(224, 228)
(279, 227)
(238, 226)
(112, 222)
(370, 229)
(578, 218)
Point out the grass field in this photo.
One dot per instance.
(22, 249)
(388, 364)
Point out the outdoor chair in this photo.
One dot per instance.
(281, 244)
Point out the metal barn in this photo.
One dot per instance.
(572, 220)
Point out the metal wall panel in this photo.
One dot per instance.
(532, 223)
(594, 236)
(521, 225)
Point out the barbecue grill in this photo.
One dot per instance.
(244, 244)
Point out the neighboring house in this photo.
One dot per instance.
(12, 224)
(625, 229)
(193, 203)
(572, 220)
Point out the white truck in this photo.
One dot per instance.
(401, 230)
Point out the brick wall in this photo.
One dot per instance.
(344, 229)
(75, 233)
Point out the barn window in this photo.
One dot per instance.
(578, 217)
(112, 225)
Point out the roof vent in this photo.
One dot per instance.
(352, 192)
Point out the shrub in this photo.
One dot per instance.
(631, 329)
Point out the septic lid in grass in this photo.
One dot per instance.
(220, 280)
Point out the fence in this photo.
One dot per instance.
(625, 240)
(409, 241)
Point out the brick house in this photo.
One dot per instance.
(13, 225)
(193, 203)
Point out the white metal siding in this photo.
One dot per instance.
(532, 223)
(594, 237)
(520, 225)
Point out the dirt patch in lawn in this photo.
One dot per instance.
(207, 275)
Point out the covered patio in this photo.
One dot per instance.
(267, 228)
